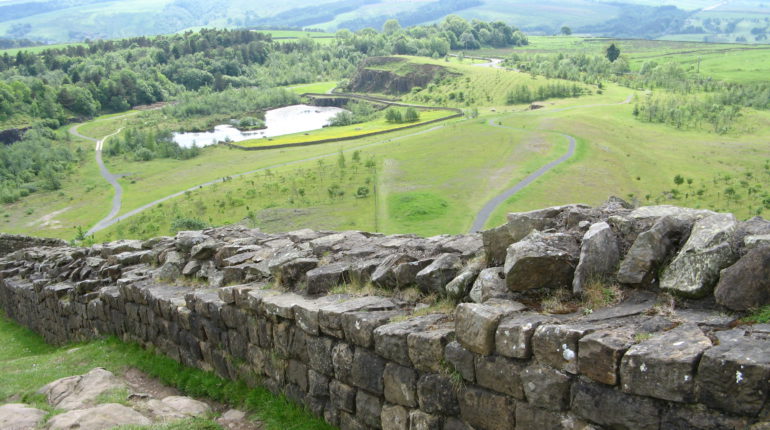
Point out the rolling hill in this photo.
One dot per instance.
(56, 21)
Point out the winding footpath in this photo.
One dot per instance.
(486, 211)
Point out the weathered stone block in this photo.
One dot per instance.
(541, 260)
(426, 348)
(318, 384)
(500, 374)
(419, 420)
(746, 284)
(695, 270)
(599, 255)
(461, 360)
(368, 409)
(599, 354)
(664, 366)
(436, 394)
(434, 277)
(529, 416)
(342, 360)
(296, 373)
(557, 345)
(319, 351)
(400, 385)
(485, 410)
(367, 370)
(359, 326)
(733, 376)
(475, 324)
(698, 417)
(330, 316)
(513, 337)
(394, 417)
(390, 340)
(322, 279)
(306, 312)
(342, 396)
(614, 409)
(490, 284)
(546, 388)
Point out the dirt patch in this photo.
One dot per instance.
(48, 221)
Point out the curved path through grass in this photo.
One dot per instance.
(486, 211)
(111, 178)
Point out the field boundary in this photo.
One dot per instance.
(456, 113)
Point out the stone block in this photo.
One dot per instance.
(342, 360)
(319, 351)
(664, 366)
(557, 345)
(461, 360)
(394, 417)
(733, 376)
(367, 370)
(436, 394)
(390, 340)
(368, 409)
(419, 420)
(359, 326)
(342, 396)
(500, 374)
(475, 324)
(485, 410)
(546, 388)
(513, 337)
(306, 312)
(318, 384)
(529, 416)
(614, 409)
(296, 373)
(330, 316)
(599, 354)
(426, 348)
(322, 279)
(687, 417)
(400, 385)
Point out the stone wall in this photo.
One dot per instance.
(13, 242)
(258, 307)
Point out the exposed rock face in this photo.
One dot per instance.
(20, 417)
(100, 417)
(369, 79)
(77, 392)
(695, 270)
(599, 255)
(746, 284)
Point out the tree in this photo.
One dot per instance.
(613, 52)
(391, 26)
(566, 31)
(411, 115)
(394, 116)
(678, 180)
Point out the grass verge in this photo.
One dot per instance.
(27, 363)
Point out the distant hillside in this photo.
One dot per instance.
(56, 21)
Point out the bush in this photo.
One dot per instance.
(184, 224)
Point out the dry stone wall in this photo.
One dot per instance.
(258, 307)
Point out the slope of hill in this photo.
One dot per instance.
(75, 20)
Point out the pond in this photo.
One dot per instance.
(285, 120)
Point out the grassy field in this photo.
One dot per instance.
(27, 363)
(618, 155)
(738, 63)
(342, 132)
(316, 87)
(403, 193)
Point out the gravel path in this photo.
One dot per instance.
(483, 216)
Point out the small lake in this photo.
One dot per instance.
(286, 120)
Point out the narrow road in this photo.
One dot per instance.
(111, 178)
(483, 216)
(105, 223)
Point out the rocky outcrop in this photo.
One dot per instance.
(255, 306)
(377, 75)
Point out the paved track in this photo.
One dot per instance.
(486, 211)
